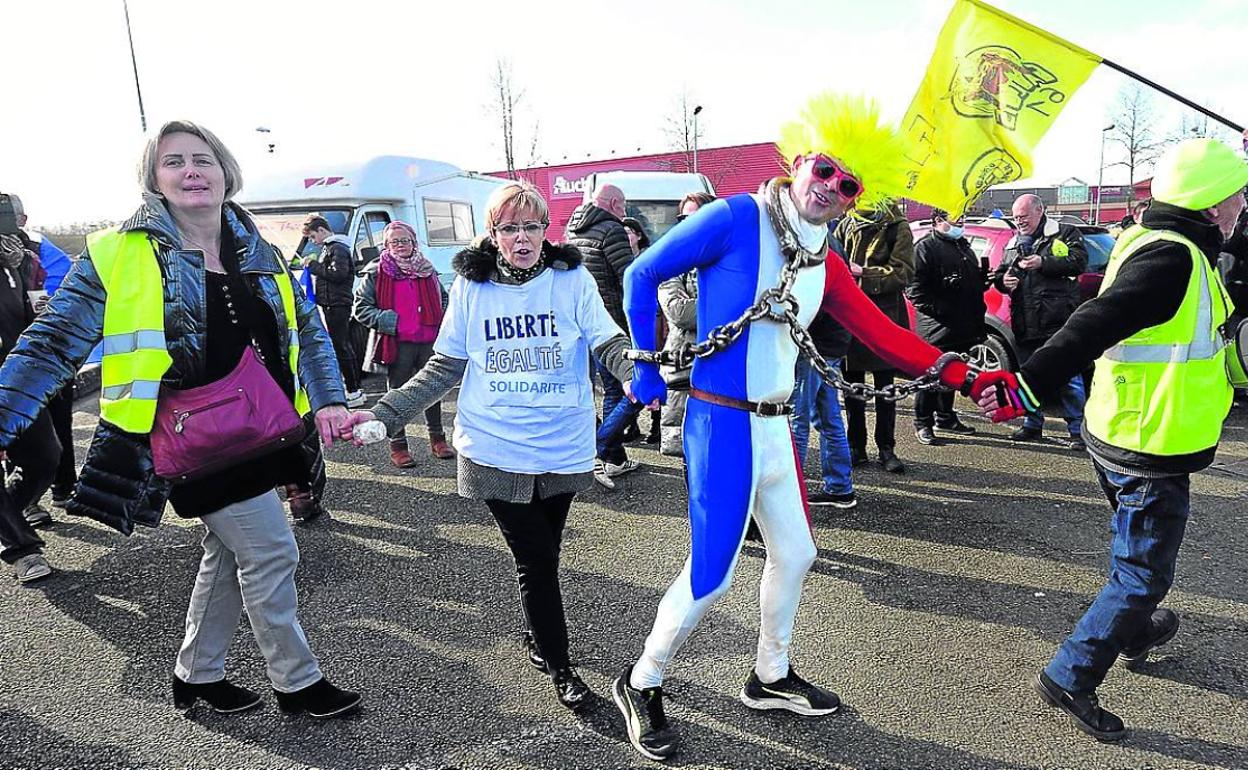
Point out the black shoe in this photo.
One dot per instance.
(1027, 434)
(1084, 710)
(644, 720)
(1162, 627)
(530, 648)
(927, 436)
(37, 516)
(954, 426)
(890, 462)
(319, 700)
(60, 497)
(223, 697)
(858, 457)
(569, 688)
(1076, 444)
(832, 499)
(792, 693)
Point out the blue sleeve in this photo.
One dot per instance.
(55, 263)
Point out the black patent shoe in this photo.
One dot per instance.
(1084, 710)
(221, 696)
(890, 462)
(571, 691)
(319, 700)
(530, 648)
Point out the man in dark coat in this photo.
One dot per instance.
(948, 296)
(334, 271)
(1040, 272)
(596, 229)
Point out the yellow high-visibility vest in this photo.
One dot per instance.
(1164, 390)
(136, 356)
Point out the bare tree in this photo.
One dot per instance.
(504, 108)
(1135, 119)
(1197, 125)
(679, 127)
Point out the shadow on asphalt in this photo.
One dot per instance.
(1188, 748)
(27, 743)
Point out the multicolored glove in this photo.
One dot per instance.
(1003, 396)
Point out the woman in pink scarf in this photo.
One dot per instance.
(401, 301)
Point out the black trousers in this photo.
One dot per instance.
(932, 406)
(338, 324)
(61, 410)
(37, 453)
(534, 533)
(412, 358)
(885, 414)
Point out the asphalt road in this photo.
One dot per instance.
(930, 607)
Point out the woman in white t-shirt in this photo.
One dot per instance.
(522, 320)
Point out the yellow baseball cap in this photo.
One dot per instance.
(1198, 173)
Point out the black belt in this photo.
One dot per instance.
(760, 408)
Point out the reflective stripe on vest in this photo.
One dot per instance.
(136, 354)
(1163, 391)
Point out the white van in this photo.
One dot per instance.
(443, 203)
(652, 196)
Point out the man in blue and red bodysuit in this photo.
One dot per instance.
(737, 443)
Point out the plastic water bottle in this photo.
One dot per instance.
(369, 432)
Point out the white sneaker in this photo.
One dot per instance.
(31, 567)
(356, 398)
(601, 476)
(628, 466)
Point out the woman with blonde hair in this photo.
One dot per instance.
(522, 321)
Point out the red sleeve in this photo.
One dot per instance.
(845, 302)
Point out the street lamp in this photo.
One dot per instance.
(1100, 174)
(696, 110)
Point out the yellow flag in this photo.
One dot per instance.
(994, 86)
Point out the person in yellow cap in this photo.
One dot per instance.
(1154, 417)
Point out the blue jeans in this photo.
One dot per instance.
(610, 446)
(1072, 397)
(1150, 516)
(813, 399)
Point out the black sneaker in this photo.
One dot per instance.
(954, 426)
(830, 498)
(791, 693)
(571, 691)
(927, 436)
(319, 700)
(530, 647)
(1076, 443)
(1084, 710)
(1162, 627)
(222, 696)
(644, 720)
(1027, 434)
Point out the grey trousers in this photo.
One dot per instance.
(411, 359)
(249, 561)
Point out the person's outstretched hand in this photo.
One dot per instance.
(347, 430)
(329, 419)
(999, 396)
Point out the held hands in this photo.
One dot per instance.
(647, 387)
(628, 392)
(329, 421)
(999, 395)
(346, 431)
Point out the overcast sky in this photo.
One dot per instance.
(335, 79)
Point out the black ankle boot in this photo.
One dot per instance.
(223, 697)
(569, 688)
(320, 700)
(530, 647)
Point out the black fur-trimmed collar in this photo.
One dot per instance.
(479, 262)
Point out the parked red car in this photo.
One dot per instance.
(988, 239)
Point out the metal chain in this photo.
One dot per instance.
(780, 306)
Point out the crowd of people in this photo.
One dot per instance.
(209, 342)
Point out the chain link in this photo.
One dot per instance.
(778, 305)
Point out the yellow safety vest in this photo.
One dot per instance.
(136, 356)
(1164, 390)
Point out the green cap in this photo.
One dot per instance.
(1198, 173)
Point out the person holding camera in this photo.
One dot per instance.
(947, 291)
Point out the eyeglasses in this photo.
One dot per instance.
(826, 170)
(513, 230)
(401, 242)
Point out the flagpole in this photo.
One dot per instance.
(1136, 76)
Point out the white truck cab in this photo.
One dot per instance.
(651, 197)
(443, 203)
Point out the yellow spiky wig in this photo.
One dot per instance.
(849, 129)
